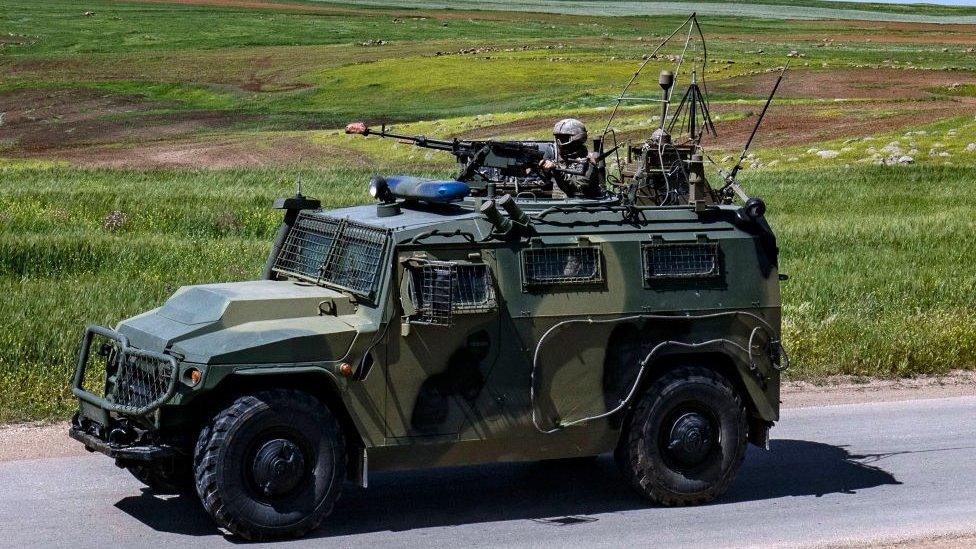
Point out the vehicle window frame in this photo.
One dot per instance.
(553, 283)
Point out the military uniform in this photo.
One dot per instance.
(569, 166)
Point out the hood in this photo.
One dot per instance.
(307, 339)
(241, 322)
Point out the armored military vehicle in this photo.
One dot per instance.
(443, 326)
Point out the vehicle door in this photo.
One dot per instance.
(441, 361)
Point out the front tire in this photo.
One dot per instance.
(686, 439)
(271, 465)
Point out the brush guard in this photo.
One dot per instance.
(134, 382)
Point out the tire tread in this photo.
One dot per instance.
(215, 435)
(648, 480)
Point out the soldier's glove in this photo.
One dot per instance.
(547, 164)
(357, 128)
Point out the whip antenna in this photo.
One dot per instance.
(730, 181)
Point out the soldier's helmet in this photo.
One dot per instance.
(569, 133)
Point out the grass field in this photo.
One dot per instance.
(141, 146)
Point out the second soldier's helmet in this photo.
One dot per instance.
(569, 133)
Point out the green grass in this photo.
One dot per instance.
(880, 260)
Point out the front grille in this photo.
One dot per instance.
(337, 252)
(123, 378)
(137, 381)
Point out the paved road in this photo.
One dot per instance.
(835, 474)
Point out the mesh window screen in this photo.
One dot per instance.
(334, 251)
(680, 260)
(474, 290)
(441, 289)
(355, 259)
(307, 247)
(561, 265)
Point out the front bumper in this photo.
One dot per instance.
(92, 435)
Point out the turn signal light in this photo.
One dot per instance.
(345, 369)
(192, 376)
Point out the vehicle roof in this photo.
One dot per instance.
(548, 216)
(411, 217)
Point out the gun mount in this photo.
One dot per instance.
(486, 166)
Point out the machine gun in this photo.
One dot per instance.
(481, 162)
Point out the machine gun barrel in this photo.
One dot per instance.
(454, 145)
(510, 157)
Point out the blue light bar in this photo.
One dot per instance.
(428, 190)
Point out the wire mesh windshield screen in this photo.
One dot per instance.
(680, 260)
(561, 265)
(440, 289)
(333, 252)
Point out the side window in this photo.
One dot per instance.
(474, 290)
(440, 289)
(561, 265)
(679, 260)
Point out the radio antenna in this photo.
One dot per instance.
(730, 182)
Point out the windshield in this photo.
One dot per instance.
(335, 253)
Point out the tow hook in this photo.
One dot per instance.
(121, 436)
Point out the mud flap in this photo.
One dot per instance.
(759, 432)
(358, 468)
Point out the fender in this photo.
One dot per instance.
(730, 334)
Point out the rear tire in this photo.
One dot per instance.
(686, 439)
(271, 465)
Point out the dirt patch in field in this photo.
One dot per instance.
(516, 127)
(27, 108)
(800, 125)
(215, 153)
(873, 101)
(784, 125)
(94, 128)
(903, 26)
(42, 120)
(832, 32)
(374, 10)
(893, 84)
(60, 124)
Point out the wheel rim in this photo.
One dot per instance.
(278, 468)
(689, 437)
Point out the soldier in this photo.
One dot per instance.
(569, 166)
